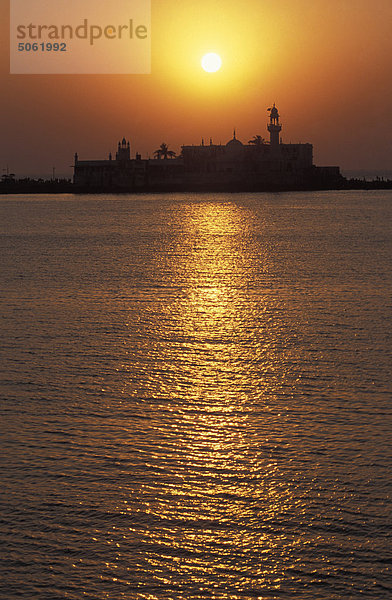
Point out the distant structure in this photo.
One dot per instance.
(256, 166)
(274, 127)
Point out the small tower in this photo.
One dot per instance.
(274, 127)
(123, 151)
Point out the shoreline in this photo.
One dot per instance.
(67, 187)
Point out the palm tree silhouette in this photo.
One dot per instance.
(164, 152)
(257, 140)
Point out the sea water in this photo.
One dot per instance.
(196, 396)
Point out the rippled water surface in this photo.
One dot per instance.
(196, 396)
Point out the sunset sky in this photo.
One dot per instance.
(326, 63)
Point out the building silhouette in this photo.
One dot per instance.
(234, 166)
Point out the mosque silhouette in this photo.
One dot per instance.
(258, 165)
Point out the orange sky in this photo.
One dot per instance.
(326, 63)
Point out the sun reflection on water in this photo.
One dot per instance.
(210, 489)
(192, 406)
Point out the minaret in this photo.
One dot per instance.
(274, 127)
(123, 151)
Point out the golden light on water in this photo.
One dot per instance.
(197, 431)
(215, 478)
(214, 312)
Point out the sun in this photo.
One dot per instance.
(211, 62)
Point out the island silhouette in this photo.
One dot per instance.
(257, 165)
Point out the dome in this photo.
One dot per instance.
(234, 143)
